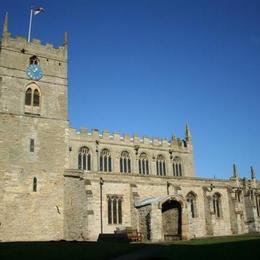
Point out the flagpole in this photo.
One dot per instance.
(30, 26)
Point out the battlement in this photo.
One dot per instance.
(125, 139)
(20, 44)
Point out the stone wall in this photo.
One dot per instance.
(14, 81)
(26, 214)
(67, 202)
(205, 223)
(96, 142)
(145, 222)
(75, 207)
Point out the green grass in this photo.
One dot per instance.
(217, 240)
(232, 247)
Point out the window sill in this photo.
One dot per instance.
(32, 110)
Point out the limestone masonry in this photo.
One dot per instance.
(57, 183)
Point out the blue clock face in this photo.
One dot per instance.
(34, 72)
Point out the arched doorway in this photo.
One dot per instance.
(171, 220)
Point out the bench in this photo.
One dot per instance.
(171, 237)
(118, 238)
(132, 234)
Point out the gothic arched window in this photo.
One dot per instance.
(84, 159)
(160, 165)
(114, 209)
(217, 204)
(125, 162)
(28, 97)
(36, 98)
(177, 166)
(105, 162)
(191, 200)
(32, 98)
(143, 164)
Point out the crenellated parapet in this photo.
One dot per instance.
(20, 44)
(146, 156)
(125, 139)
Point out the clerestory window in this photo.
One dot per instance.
(84, 159)
(105, 161)
(177, 167)
(125, 162)
(143, 164)
(160, 165)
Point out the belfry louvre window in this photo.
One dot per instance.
(217, 205)
(114, 209)
(177, 166)
(160, 165)
(28, 97)
(105, 161)
(191, 199)
(84, 159)
(125, 162)
(32, 96)
(34, 60)
(36, 98)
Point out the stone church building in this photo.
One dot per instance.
(59, 183)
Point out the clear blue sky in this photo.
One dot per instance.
(148, 67)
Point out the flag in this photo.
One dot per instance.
(38, 10)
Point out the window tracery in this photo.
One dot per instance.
(114, 210)
(160, 165)
(177, 167)
(84, 159)
(105, 162)
(125, 162)
(32, 98)
(143, 164)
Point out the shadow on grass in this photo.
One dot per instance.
(247, 249)
(64, 250)
(221, 248)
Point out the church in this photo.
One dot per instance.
(58, 183)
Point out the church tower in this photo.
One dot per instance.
(33, 138)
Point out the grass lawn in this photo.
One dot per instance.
(64, 250)
(233, 247)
